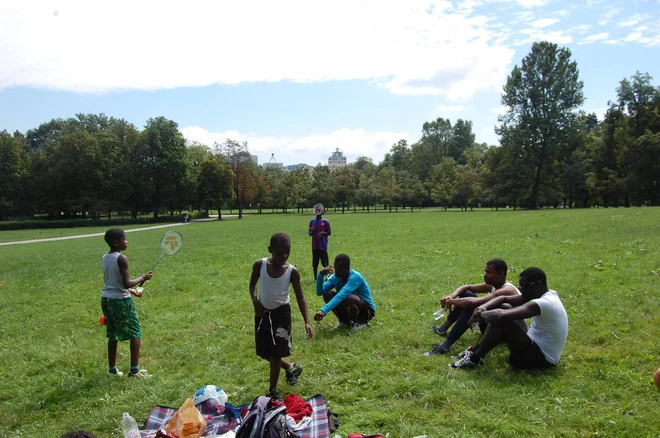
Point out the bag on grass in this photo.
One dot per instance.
(264, 420)
(188, 422)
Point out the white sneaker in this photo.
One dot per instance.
(340, 325)
(141, 373)
(117, 374)
(357, 326)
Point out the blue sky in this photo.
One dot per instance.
(300, 78)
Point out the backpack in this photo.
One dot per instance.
(264, 420)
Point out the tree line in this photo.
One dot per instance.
(551, 153)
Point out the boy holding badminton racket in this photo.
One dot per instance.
(122, 323)
(272, 312)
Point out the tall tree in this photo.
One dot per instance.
(239, 159)
(13, 168)
(441, 182)
(462, 138)
(542, 98)
(214, 182)
(167, 152)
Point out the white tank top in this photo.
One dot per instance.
(493, 289)
(114, 286)
(273, 292)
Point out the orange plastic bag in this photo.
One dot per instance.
(188, 422)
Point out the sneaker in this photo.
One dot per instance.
(440, 330)
(141, 373)
(464, 364)
(292, 376)
(340, 325)
(437, 349)
(274, 394)
(116, 374)
(467, 352)
(357, 326)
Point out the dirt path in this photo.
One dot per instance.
(83, 236)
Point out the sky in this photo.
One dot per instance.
(299, 79)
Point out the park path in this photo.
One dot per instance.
(83, 236)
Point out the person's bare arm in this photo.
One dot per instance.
(476, 288)
(122, 261)
(300, 298)
(254, 278)
(473, 302)
(525, 311)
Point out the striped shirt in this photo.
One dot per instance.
(317, 226)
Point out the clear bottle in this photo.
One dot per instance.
(439, 314)
(129, 426)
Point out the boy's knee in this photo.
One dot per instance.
(506, 306)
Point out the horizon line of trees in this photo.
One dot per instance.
(550, 154)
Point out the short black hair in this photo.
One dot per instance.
(78, 434)
(534, 274)
(279, 240)
(113, 234)
(499, 265)
(344, 260)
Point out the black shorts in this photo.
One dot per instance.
(272, 333)
(320, 254)
(529, 357)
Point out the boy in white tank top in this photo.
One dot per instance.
(272, 313)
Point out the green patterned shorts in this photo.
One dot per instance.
(121, 319)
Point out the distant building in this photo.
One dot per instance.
(337, 159)
(273, 163)
(255, 158)
(294, 167)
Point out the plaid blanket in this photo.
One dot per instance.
(220, 420)
(319, 425)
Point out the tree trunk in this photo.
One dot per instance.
(533, 202)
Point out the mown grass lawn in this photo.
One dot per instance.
(197, 324)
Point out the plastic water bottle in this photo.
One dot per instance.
(129, 427)
(439, 314)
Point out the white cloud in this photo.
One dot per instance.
(412, 47)
(557, 36)
(633, 36)
(499, 110)
(632, 20)
(596, 37)
(532, 3)
(311, 149)
(444, 110)
(543, 22)
(581, 29)
(608, 15)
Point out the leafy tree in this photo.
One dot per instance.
(240, 161)
(322, 187)
(441, 182)
(366, 194)
(542, 97)
(214, 183)
(387, 187)
(344, 186)
(167, 163)
(13, 168)
(399, 157)
(462, 139)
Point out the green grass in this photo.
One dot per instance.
(198, 325)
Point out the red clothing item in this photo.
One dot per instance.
(296, 407)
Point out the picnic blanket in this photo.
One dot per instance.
(221, 420)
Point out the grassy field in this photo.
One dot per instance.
(197, 325)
